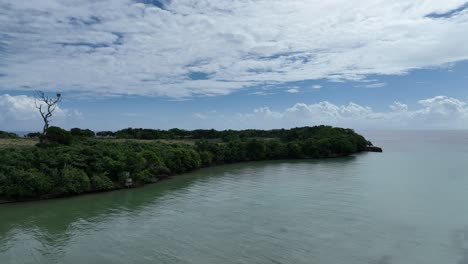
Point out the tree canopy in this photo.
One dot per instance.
(74, 162)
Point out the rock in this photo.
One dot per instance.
(373, 149)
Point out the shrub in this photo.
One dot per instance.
(144, 176)
(101, 182)
(22, 183)
(294, 150)
(206, 158)
(74, 180)
(56, 135)
(77, 132)
(4, 134)
(152, 161)
(256, 149)
(33, 135)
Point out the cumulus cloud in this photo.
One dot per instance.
(440, 112)
(18, 113)
(292, 90)
(183, 48)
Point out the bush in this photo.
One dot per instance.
(77, 132)
(294, 150)
(144, 176)
(105, 134)
(206, 158)
(74, 180)
(56, 135)
(33, 135)
(4, 134)
(256, 149)
(101, 182)
(22, 183)
(153, 162)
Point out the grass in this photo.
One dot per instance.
(167, 141)
(17, 142)
(30, 142)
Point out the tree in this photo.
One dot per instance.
(4, 134)
(56, 135)
(77, 132)
(46, 106)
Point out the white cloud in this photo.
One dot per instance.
(316, 86)
(18, 113)
(292, 90)
(372, 85)
(440, 112)
(261, 93)
(208, 47)
(399, 107)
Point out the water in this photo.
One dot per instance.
(406, 205)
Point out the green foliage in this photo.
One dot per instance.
(83, 165)
(105, 134)
(33, 135)
(206, 158)
(144, 176)
(4, 134)
(77, 132)
(101, 181)
(182, 159)
(56, 135)
(74, 180)
(285, 135)
(256, 149)
(24, 183)
(153, 162)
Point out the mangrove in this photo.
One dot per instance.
(79, 161)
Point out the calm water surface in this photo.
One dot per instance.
(406, 205)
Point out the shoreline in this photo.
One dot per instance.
(4, 201)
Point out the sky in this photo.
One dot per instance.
(235, 64)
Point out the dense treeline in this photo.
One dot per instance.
(68, 163)
(4, 134)
(226, 135)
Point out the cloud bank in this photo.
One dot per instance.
(440, 112)
(184, 48)
(17, 113)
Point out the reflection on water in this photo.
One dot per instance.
(460, 238)
(383, 260)
(52, 219)
(406, 205)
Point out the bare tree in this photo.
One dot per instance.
(46, 106)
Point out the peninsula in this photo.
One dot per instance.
(64, 163)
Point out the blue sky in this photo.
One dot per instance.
(236, 64)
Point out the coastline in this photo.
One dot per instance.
(160, 178)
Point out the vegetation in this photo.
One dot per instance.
(33, 135)
(4, 134)
(68, 163)
(76, 132)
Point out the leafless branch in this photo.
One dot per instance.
(50, 103)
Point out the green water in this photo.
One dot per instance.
(406, 205)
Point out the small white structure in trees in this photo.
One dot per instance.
(128, 180)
